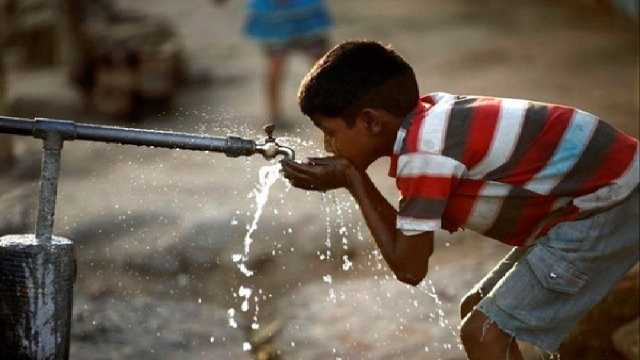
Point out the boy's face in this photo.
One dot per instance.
(356, 144)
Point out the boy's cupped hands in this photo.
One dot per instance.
(319, 174)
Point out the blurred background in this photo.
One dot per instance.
(155, 230)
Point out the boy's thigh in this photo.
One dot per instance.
(540, 299)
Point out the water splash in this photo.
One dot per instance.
(327, 240)
(231, 318)
(267, 176)
(246, 294)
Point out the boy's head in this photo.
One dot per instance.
(357, 94)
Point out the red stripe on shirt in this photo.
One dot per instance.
(542, 148)
(536, 210)
(615, 162)
(426, 186)
(570, 213)
(393, 166)
(481, 131)
(461, 202)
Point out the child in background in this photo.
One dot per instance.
(558, 184)
(281, 27)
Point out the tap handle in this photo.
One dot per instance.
(269, 131)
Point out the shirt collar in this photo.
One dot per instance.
(404, 127)
(398, 145)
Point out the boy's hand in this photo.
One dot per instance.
(318, 174)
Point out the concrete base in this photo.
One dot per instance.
(36, 297)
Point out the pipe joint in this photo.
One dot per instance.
(65, 129)
(237, 146)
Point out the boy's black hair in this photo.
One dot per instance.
(356, 75)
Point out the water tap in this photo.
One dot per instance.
(270, 148)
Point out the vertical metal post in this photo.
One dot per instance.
(36, 277)
(51, 146)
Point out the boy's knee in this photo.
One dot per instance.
(469, 302)
(478, 332)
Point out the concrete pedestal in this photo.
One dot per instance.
(36, 297)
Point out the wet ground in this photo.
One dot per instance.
(157, 228)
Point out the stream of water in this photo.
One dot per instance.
(267, 176)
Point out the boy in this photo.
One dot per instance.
(555, 182)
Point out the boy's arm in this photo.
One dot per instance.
(407, 256)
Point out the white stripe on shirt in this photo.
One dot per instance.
(397, 146)
(434, 127)
(412, 226)
(505, 137)
(421, 164)
(487, 206)
(440, 95)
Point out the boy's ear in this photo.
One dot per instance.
(371, 120)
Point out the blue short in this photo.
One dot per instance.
(538, 294)
(280, 24)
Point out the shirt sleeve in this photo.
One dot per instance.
(425, 181)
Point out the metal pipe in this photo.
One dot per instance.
(231, 146)
(16, 126)
(51, 152)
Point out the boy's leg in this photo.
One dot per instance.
(483, 339)
(275, 70)
(556, 283)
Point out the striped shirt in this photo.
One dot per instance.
(506, 168)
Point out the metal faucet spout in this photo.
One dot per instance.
(270, 150)
(287, 152)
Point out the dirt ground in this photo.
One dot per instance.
(163, 224)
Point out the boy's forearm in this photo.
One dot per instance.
(379, 215)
